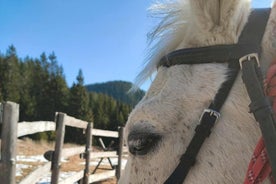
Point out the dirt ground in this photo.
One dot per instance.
(28, 147)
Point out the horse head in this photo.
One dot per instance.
(162, 125)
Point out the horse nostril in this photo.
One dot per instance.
(142, 143)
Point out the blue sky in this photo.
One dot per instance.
(104, 38)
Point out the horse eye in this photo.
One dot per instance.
(142, 143)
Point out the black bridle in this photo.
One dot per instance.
(249, 42)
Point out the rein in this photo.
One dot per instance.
(249, 42)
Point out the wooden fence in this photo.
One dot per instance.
(11, 129)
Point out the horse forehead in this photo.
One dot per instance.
(182, 81)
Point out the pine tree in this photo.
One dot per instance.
(79, 100)
(78, 108)
(10, 76)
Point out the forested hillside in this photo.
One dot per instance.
(119, 90)
(39, 86)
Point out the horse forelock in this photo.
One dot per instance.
(190, 23)
(165, 35)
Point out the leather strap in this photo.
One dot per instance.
(210, 54)
(260, 107)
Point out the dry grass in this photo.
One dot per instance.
(73, 164)
(28, 147)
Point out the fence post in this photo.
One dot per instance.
(1, 112)
(120, 152)
(87, 152)
(60, 131)
(8, 144)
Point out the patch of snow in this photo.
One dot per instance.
(35, 158)
(19, 168)
(62, 176)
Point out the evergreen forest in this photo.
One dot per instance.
(39, 86)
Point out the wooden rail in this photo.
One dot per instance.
(104, 154)
(27, 128)
(11, 129)
(105, 133)
(73, 122)
(68, 152)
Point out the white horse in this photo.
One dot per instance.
(166, 117)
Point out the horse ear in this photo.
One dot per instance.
(211, 13)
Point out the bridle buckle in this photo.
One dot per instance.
(248, 57)
(211, 112)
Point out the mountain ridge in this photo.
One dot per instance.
(119, 90)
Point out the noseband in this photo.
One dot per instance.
(249, 42)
